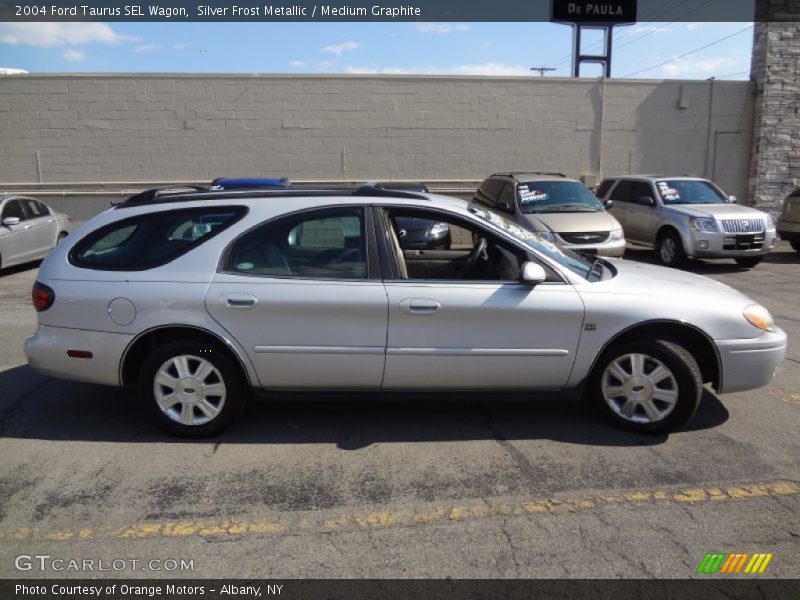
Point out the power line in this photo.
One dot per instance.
(714, 43)
(732, 75)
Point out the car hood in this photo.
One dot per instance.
(722, 211)
(653, 280)
(577, 222)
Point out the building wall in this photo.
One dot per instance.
(775, 154)
(99, 128)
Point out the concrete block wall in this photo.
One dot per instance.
(98, 128)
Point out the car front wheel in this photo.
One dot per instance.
(670, 249)
(192, 389)
(647, 387)
(796, 245)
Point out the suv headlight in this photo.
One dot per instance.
(758, 316)
(616, 235)
(769, 222)
(704, 224)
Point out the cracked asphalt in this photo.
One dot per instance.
(483, 489)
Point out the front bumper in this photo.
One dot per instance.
(750, 364)
(47, 350)
(614, 248)
(718, 244)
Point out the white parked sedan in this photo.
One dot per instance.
(29, 229)
(198, 297)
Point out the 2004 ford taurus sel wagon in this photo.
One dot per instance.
(198, 297)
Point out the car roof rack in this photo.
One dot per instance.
(514, 174)
(400, 186)
(194, 193)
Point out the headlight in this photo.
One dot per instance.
(704, 224)
(438, 229)
(769, 222)
(616, 234)
(758, 316)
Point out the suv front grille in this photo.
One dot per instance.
(752, 241)
(743, 225)
(596, 237)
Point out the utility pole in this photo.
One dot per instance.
(542, 70)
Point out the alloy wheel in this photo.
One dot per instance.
(189, 390)
(639, 388)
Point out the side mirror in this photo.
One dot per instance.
(505, 207)
(608, 204)
(9, 221)
(732, 199)
(647, 201)
(533, 273)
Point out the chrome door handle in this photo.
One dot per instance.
(242, 301)
(420, 306)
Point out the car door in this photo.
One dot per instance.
(621, 195)
(303, 295)
(640, 220)
(448, 331)
(42, 226)
(16, 245)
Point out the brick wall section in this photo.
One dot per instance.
(775, 154)
(179, 127)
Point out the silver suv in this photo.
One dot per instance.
(683, 217)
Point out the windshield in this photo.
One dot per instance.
(566, 258)
(556, 196)
(689, 191)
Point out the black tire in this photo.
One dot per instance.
(796, 245)
(61, 237)
(749, 262)
(230, 374)
(670, 249)
(686, 378)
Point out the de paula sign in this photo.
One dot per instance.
(600, 12)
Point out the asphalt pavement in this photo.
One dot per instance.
(373, 489)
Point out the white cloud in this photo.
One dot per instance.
(145, 48)
(338, 49)
(180, 46)
(297, 63)
(441, 28)
(48, 35)
(708, 66)
(73, 54)
(488, 69)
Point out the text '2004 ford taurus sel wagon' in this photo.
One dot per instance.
(199, 297)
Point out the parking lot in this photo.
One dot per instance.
(345, 489)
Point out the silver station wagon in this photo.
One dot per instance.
(200, 297)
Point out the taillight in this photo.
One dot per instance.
(42, 296)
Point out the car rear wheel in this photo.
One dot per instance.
(61, 237)
(749, 262)
(647, 387)
(670, 249)
(796, 245)
(191, 388)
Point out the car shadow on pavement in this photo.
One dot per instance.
(781, 255)
(6, 271)
(36, 407)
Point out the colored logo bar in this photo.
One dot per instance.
(734, 563)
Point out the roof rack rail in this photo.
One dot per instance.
(151, 194)
(192, 193)
(515, 173)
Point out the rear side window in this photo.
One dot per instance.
(151, 240)
(35, 209)
(604, 187)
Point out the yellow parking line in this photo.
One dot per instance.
(386, 519)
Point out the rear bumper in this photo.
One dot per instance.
(788, 230)
(750, 364)
(47, 350)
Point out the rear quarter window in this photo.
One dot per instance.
(604, 188)
(151, 240)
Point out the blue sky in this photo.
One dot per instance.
(438, 48)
